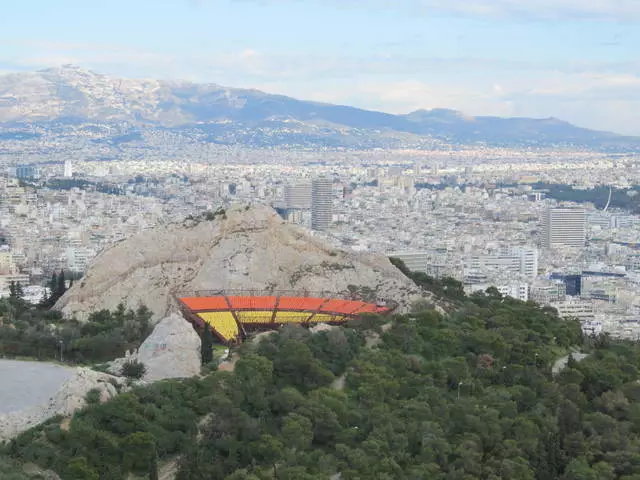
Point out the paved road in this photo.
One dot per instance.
(25, 384)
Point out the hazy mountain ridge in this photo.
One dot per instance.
(65, 96)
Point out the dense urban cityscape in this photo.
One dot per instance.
(484, 222)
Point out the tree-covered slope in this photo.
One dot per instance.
(466, 396)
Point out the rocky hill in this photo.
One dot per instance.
(70, 397)
(244, 248)
(68, 101)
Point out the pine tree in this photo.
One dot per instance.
(61, 287)
(12, 290)
(53, 288)
(153, 468)
(19, 290)
(206, 347)
(45, 298)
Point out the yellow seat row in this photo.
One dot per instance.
(223, 323)
(326, 318)
(261, 317)
(292, 317)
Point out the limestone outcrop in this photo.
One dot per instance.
(69, 398)
(246, 248)
(171, 351)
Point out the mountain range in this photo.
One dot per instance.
(70, 100)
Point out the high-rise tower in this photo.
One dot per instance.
(68, 169)
(321, 203)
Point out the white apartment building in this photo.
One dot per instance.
(633, 263)
(415, 261)
(582, 310)
(7, 265)
(605, 287)
(298, 196)
(519, 291)
(563, 227)
(522, 261)
(434, 265)
(548, 291)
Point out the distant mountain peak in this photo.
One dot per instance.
(67, 68)
(243, 116)
(440, 114)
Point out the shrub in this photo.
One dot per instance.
(133, 369)
(93, 396)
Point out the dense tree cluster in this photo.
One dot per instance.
(125, 435)
(27, 331)
(56, 289)
(463, 396)
(446, 288)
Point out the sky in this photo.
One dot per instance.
(578, 60)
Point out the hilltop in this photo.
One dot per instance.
(68, 102)
(244, 248)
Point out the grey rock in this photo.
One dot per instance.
(171, 351)
(67, 400)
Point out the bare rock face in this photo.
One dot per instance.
(171, 351)
(247, 248)
(69, 398)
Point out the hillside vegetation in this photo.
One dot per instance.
(28, 331)
(465, 396)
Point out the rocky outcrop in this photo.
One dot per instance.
(69, 398)
(247, 248)
(171, 351)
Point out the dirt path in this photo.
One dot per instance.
(561, 363)
(229, 365)
(339, 383)
(169, 470)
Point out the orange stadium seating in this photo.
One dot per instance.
(205, 303)
(300, 303)
(346, 307)
(371, 308)
(252, 303)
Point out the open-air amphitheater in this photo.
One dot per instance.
(232, 314)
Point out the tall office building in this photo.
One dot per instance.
(298, 196)
(321, 203)
(564, 227)
(68, 169)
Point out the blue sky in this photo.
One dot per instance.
(578, 60)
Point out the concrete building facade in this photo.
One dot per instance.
(564, 227)
(321, 203)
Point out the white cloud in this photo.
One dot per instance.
(622, 10)
(543, 9)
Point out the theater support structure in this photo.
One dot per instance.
(232, 314)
